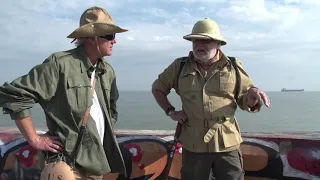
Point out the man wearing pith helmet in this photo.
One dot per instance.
(210, 87)
(76, 88)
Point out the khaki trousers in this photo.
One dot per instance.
(223, 165)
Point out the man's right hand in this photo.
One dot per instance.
(46, 143)
(42, 142)
(179, 116)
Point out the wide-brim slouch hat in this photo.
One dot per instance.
(95, 21)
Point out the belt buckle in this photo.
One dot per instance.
(227, 118)
(210, 133)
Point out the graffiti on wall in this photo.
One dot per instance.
(146, 157)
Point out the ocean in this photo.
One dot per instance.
(289, 111)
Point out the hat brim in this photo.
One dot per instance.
(96, 29)
(190, 37)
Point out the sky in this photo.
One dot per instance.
(276, 40)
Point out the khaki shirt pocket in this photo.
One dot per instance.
(230, 134)
(79, 93)
(189, 83)
(226, 82)
(192, 138)
(191, 97)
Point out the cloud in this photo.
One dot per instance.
(253, 10)
(277, 19)
(261, 33)
(199, 1)
(302, 2)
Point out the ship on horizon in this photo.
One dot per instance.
(291, 90)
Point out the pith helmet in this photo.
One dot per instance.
(96, 21)
(57, 171)
(206, 29)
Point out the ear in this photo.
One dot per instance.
(91, 40)
(219, 45)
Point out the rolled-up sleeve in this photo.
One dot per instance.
(38, 85)
(245, 85)
(167, 78)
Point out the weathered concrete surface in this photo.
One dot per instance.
(266, 155)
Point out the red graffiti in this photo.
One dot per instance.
(178, 147)
(135, 151)
(306, 160)
(141, 166)
(5, 138)
(26, 155)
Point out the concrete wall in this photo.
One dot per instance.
(266, 156)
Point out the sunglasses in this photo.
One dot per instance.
(109, 37)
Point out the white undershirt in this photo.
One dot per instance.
(96, 111)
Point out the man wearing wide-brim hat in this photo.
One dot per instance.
(211, 85)
(76, 88)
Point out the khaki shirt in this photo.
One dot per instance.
(207, 101)
(61, 85)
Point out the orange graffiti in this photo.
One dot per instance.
(176, 166)
(153, 159)
(255, 157)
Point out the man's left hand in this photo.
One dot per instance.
(256, 97)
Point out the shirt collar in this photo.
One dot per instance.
(86, 63)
